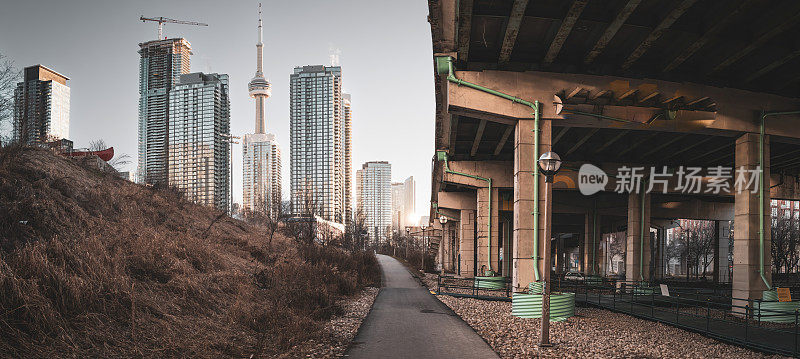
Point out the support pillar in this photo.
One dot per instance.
(747, 282)
(524, 167)
(450, 237)
(483, 229)
(635, 252)
(466, 250)
(591, 242)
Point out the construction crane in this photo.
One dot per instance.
(162, 20)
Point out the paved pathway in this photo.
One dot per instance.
(406, 321)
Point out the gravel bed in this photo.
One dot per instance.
(340, 330)
(591, 333)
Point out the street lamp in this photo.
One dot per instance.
(408, 240)
(549, 164)
(424, 247)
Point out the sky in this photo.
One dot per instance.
(384, 48)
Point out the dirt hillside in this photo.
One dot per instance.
(91, 264)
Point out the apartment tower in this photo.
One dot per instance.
(199, 130)
(318, 142)
(161, 64)
(41, 106)
(374, 199)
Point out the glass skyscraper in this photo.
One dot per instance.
(199, 130)
(318, 142)
(261, 156)
(41, 106)
(161, 64)
(374, 199)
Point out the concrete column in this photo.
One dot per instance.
(524, 166)
(633, 246)
(466, 248)
(591, 242)
(747, 283)
(483, 229)
(450, 238)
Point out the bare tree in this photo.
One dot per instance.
(785, 233)
(9, 77)
(117, 161)
(355, 233)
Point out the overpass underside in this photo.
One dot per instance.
(620, 94)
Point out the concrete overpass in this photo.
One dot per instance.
(622, 83)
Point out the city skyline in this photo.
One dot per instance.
(109, 111)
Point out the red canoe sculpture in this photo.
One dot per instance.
(104, 155)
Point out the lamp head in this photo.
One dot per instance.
(549, 164)
(442, 219)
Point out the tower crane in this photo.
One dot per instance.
(162, 20)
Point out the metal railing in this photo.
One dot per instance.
(474, 287)
(748, 323)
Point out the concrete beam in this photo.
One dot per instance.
(503, 140)
(735, 108)
(563, 32)
(611, 30)
(772, 66)
(478, 136)
(458, 200)
(464, 27)
(499, 171)
(710, 34)
(761, 40)
(659, 30)
(512, 29)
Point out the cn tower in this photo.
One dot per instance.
(259, 87)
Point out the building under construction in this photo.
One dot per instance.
(160, 66)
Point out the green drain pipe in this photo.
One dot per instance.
(641, 239)
(594, 236)
(562, 305)
(444, 65)
(442, 156)
(769, 308)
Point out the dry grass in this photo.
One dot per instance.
(93, 265)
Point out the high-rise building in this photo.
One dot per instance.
(41, 106)
(318, 148)
(161, 64)
(261, 155)
(348, 159)
(199, 130)
(374, 199)
(403, 205)
(397, 207)
(261, 178)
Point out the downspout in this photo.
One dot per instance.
(761, 202)
(761, 192)
(442, 156)
(641, 239)
(594, 236)
(536, 275)
(444, 65)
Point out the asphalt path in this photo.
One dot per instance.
(407, 321)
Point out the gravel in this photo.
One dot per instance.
(591, 333)
(340, 330)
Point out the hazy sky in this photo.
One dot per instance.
(384, 46)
